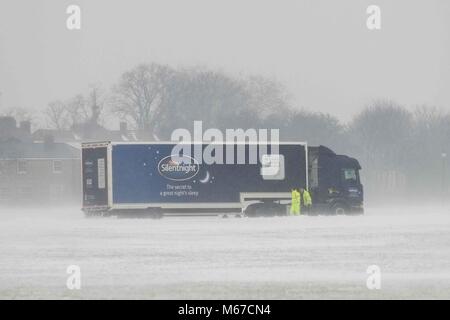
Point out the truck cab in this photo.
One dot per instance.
(334, 182)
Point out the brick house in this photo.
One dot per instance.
(39, 173)
(44, 167)
(36, 173)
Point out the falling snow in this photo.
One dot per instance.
(213, 257)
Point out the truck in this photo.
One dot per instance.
(150, 179)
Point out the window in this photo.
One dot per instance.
(350, 176)
(57, 166)
(22, 166)
(314, 174)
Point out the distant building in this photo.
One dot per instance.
(39, 173)
(10, 131)
(44, 167)
(41, 135)
(92, 132)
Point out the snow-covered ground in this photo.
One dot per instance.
(209, 257)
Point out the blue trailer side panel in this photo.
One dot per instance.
(146, 173)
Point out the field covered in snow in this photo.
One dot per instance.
(216, 258)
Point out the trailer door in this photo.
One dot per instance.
(95, 177)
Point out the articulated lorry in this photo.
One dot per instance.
(151, 179)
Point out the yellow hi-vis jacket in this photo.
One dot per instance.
(307, 201)
(295, 202)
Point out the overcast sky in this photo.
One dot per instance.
(321, 50)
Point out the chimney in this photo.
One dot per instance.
(7, 124)
(49, 140)
(123, 127)
(25, 126)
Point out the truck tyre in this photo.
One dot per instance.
(339, 209)
(157, 215)
(88, 214)
(154, 213)
(265, 209)
(92, 213)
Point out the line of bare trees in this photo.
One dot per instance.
(78, 110)
(402, 152)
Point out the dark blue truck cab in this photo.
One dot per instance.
(334, 182)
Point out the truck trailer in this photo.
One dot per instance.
(151, 179)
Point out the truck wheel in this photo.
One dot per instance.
(250, 211)
(92, 214)
(154, 213)
(88, 214)
(265, 209)
(157, 215)
(339, 209)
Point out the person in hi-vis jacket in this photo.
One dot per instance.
(295, 202)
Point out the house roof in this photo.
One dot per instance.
(41, 135)
(78, 136)
(58, 135)
(28, 150)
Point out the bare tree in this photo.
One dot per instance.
(95, 104)
(140, 93)
(57, 115)
(314, 127)
(381, 138)
(88, 108)
(431, 137)
(266, 96)
(77, 109)
(215, 98)
(383, 132)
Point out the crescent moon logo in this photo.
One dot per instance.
(206, 178)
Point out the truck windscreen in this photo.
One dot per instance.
(350, 176)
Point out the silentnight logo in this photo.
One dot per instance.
(183, 169)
